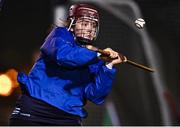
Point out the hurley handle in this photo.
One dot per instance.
(106, 53)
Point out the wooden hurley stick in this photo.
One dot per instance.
(140, 66)
(125, 61)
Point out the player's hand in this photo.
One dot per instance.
(115, 57)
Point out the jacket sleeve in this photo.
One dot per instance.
(97, 90)
(66, 54)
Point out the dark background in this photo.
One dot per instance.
(24, 25)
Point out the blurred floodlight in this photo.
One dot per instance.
(8, 81)
(5, 85)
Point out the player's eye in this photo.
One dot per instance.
(84, 23)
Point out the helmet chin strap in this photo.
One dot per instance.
(71, 23)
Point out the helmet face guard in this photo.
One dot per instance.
(85, 21)
(86, 30)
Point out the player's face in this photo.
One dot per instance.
(85, 28)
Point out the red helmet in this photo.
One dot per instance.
(85, 11)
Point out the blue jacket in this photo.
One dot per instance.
(66, 75)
